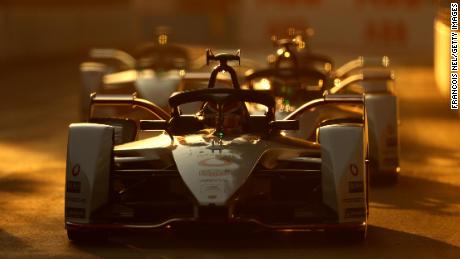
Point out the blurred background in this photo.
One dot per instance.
(50, 29)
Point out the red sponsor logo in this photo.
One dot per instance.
(354, 170)
(215, 162)
(76, 170)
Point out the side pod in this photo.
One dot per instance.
(344, 177)
(89, 152)
(382, 116)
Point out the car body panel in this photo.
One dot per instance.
(88, 168)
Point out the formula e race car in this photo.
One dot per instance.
(221, 166)
(296, 76)
(156, 71)
(158, 64)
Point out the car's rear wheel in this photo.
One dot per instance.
(87, 236)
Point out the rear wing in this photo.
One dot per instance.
(127, 100)
(116, 54)
(365, 75)
(327, 99)
(123, 77)
(362, 62)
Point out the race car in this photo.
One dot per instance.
(159, 65)
(220, 166)
(296, 76)
(296, 43)
(155, 71)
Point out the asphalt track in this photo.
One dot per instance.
(419, 217)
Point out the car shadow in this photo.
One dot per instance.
(381, 243)
(411, 193)
(438, 108)
(11, 243)
(414, 148)
(19, 183)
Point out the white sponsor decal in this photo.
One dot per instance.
(76, 170)
(215, 162)
(354, 170)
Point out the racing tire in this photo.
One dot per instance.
(87, 236)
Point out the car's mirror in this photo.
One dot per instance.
(153, 125)
(284, 125)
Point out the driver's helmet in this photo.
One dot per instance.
(234, 116)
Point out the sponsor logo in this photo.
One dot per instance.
(75, 212)
(214, 172)
(73, 186)
(355, 186)
(76, 170)
(355, 212)
(354, 170)
(215, 162)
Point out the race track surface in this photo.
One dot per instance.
(419, 217)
